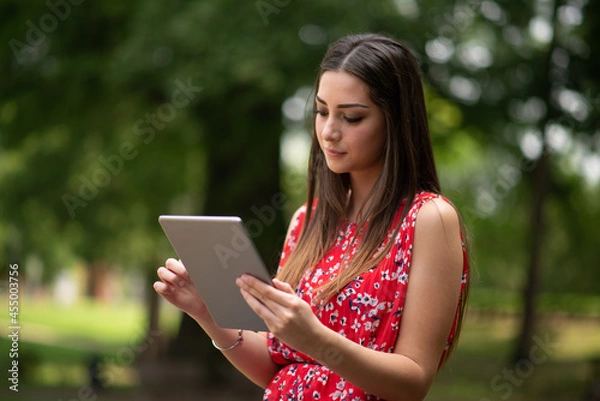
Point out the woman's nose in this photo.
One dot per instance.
(331, 131)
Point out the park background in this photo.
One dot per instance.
(112, 113)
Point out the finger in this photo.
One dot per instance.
(254, 286)
(283, 286)
(163, 288)
(257, 306)
(269, 296)
(169, 277)
(178, 268)
(253, 282)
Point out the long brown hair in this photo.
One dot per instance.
(392, 75)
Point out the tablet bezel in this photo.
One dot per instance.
(215, 251)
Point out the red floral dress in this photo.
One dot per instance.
(367, 311)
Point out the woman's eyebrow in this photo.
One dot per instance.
(344, 105)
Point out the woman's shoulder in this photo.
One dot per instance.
(430, 207)
(424, 198)
(299, 215)
(293, 233)
(297, 219)
(438, 210)
(435, 213)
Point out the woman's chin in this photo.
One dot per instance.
(336, 169)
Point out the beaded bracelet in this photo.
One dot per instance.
(232, 346)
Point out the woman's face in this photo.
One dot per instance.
(350, 128)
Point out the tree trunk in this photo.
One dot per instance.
(532, 286)
(541, 178)
(154, 337)
(97, 281)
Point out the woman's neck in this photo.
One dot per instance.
(360, 186)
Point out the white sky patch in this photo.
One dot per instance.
(583, 159)
(295, 148)
(570, 16)
(558, 138)
(491, 10)
(475, 55)
(528, 111)
(573, 103)
(295, 141)
(294, 107)
(440, 49)
(407, 8)
(465, 89)
(312, 35)
(531, 143)
(590, 167)
(541, 30)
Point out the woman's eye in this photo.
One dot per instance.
(353, 119)
(321, 112)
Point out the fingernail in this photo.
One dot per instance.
(181, 283)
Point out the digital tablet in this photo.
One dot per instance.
(215, 251)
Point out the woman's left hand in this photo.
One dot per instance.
(286, 315)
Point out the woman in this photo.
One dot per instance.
(344, 323)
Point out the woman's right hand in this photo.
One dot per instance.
(178, 289)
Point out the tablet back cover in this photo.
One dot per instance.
(215, 251)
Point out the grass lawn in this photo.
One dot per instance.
(480, 369)
(57, 343)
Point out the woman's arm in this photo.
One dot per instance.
(251, 356)
(430, 305)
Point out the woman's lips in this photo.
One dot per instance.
(333, 152)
